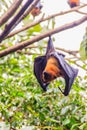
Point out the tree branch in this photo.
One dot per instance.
(15, 20)
(26, 12)
(10, 11)
(80, 12)
(41, 36)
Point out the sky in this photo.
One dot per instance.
(69, 39)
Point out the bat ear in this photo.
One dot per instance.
(50, 47)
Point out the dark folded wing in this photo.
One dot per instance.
(39, 65)
(69, 72)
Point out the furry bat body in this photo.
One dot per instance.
(53, 65)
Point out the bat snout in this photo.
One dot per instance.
(46, 76)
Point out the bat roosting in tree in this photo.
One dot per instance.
(36, 10)
(73, 3)
(53, 65)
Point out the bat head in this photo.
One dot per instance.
(52, 70)
(37, 9)
(35, 12)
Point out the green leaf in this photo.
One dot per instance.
(84, 125)
(66, 121)
(83, 50)
(42, 116)
(74, 126)
(65, 110)
(83, 47)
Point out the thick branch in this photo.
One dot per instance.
(44, 19)
(10, 11)
(31, 6)
(12, 23)
(41, 36)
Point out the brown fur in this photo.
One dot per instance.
(73, 3)
(52, 68)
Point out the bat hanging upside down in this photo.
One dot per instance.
(73, 3)
(36, 10)
(51, 66)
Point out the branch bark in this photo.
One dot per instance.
(10, 12)
(26, 12)
(15, 20)
(41, 36)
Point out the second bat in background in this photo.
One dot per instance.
(73, 3)
(36, 10)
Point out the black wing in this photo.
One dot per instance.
(69, 72)
(39, 65)
(50, 47)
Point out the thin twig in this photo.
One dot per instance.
(27, 53)
(80, 12)
(79, 65)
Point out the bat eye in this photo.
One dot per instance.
(47, 76)
(55, 77)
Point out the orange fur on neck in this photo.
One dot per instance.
(52, 68)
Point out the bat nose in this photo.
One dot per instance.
(47, 76)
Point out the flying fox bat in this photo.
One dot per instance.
(73, 3)
(36, 10)
(53, 65)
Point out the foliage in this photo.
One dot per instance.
(83, 47)
(23, 102)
